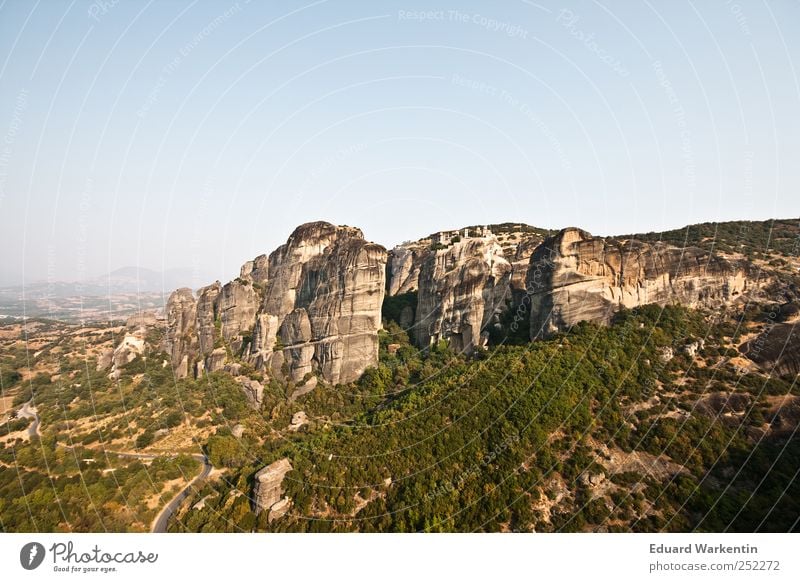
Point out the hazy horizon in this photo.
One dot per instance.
(199, 135)
(200, 279)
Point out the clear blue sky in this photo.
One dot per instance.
(198, 134)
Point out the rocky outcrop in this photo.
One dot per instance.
(575, 277)
(517, 241)
(299, 420)
(520, 261)
(462, 291)
(253, 391)
(312, 307)
(147, 318)
(322, 305)
(256, 270)
(238, 303)
(776, 349)
(180, 340)
(104, 359)
(133, 342)
(442, 308)
(215, 361)
(131, 346)
(207, 317)
(722, 404)
(403, 269)
(279, 509)
(465, 279)
(268, 490)
(191, 333)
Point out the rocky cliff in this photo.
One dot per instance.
(180, 340)
(517, 241)
(520, 259)
(237, 305)
(575, 277)
(462, 290)
(312, 306)
(464, 278)
(403, 268)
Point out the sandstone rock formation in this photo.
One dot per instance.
(191, 333)
(279, 509)
(256, 270)
(517, 241)
(462, 290)
(403, 268)
(207, 317)
(312, 306)
(104, 359)
(299, 419)
(253, 391)
(322, 305)
(216, 360)
(180, 341)
(575, 277)
(455, 301)
(238, 303)
(131, 347)
(268, 490)
(520, 261)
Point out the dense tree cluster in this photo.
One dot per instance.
(434, 441)
(754, 239)
(523, 436)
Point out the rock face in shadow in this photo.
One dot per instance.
(575, 277)
(520, 261)
(776, 349)
(462, 290)
(312, 307)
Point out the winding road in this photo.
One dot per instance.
(27, 411)
(162, 519)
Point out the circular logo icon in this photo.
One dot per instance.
(31, 555)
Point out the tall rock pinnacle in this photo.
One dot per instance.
(312, 307)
